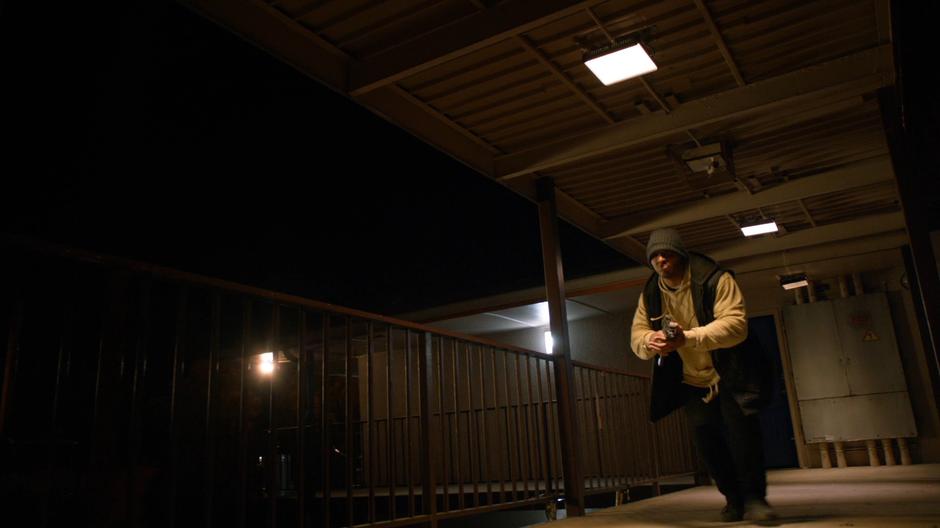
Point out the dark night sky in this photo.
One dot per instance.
(142, 130)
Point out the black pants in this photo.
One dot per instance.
(730, 443)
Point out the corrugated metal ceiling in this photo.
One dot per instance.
(501, 86)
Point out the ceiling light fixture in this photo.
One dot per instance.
(707, 159)
(619, 61)
(792, 282)
(767, 226)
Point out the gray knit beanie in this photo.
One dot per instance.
(665, 239)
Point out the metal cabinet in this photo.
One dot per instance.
(847, 370)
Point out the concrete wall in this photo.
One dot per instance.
(603, 341)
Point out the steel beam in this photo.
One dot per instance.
(869, 225)
(855, 175)
(838, 79)
(472, 33)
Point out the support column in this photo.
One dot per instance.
(902, 139)
(564, 371)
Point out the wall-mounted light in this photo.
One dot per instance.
(766, 226)
(266, 362)
(549, 342)
(619, 61)
(794, 281)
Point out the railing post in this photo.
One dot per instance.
(425, 382)
(564, 371)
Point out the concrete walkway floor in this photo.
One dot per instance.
(860, 497)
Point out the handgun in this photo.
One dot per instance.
(670, 329)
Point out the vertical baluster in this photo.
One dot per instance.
(584, 411)
(482, 439)
(639, 388)
(654, 453)
(613, 456)
(633, 428)
(508, 433)
(545, 456)
(425, 379)
(326, 451)
(524, 433)
(472, 425)
(370, 413)
(598, 427)
(10, 363)
(501, 463)
(446, 448)
(533, 436)
(615, 414)
(141, 357)
(215, 330)
(300, 417)
(554, 433)
(273, 457)
(64, 351)
(103, 331)
(348, 430)
(457, 450)
(408, 448)
(242, 400)
(389, 425)
(178, 359)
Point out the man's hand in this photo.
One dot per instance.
(662, 346)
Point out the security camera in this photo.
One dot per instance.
(714, 163)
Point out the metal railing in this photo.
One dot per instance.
(134, 393)
(622, 449)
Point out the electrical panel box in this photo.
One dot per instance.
(847, 370)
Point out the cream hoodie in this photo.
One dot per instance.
(728, 329)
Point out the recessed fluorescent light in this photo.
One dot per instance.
(619, 62)
(792, 282)
(759, 229)
(795, 285)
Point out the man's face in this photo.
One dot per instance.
(668, 264)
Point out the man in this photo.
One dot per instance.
(708, 366)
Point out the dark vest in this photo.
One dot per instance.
(745, 372)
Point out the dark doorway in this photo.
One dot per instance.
(776, 426)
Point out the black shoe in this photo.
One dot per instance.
(731, 512)
(758, 510)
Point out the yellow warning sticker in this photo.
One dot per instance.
(870, 336)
